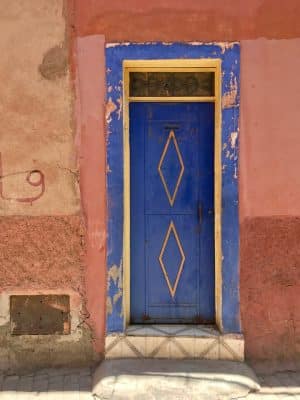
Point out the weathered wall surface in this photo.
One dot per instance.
(41, 229)
(91, 139)
(42, 253)
(200, 20)
(36, 127)
(41, 226)
(270, 287)
(269, 136)
(270, 198)
(270, 180)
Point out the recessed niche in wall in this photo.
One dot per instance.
(40, 314)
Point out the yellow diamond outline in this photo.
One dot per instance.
(171, 136)
(173, 289)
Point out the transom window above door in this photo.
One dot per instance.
(170, 84)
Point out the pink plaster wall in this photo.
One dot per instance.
(269, 146)
(270, 199)
(177, 20)
(270, 128)
(89, 115)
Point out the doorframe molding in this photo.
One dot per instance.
(174, 65)
(224, 59)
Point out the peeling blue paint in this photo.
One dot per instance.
(229, 53)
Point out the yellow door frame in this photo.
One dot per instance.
(174, 65)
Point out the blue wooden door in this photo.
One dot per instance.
(172, 219)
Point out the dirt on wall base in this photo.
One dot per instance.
(28, 353)
(44, 255)
(270, 287)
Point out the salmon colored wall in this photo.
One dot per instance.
(177, 20)
(270, 126)
(270, 198)
(42, 244)
(269, 141)
(89, 116)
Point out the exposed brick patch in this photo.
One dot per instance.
(270, 288)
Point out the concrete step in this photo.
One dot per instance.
(163, 379)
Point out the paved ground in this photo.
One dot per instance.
(76, 384)
(48, 384)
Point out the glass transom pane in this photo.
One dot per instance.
(171, 84)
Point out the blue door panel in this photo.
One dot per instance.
(162, 147)
(172, 221)
(181, 246)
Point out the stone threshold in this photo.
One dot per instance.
(174, 342)
(170, 379)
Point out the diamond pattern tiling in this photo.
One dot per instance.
(173, 342)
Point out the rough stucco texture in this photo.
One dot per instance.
(41, 253)
(41, 231)
(270, 199)
(270, 287)
(35, 106)
(169, 20)
(90, 101)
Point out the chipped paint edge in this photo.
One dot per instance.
(228, 265)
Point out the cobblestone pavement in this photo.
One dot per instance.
(76, 384)
(48, 384)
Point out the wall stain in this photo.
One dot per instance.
(233, 139)
(55, 63)
(114, 288)
(114, 274)
(229, 98)
(109, 307)
(226, 46)
(117, 296)
(235, 172)
(116, 44)
(110, 108)
(119, 112)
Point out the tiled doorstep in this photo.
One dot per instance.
(172, 330)
(172, 345)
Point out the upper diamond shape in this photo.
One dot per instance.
(172, 288)
(171, 196)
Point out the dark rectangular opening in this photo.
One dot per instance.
(40, 314)
(171, 84)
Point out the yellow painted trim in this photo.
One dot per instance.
(171, 69)
(126, 205)
(167, 65)
(186, 99)
(173, 197)
(213, 65)
(218, 197)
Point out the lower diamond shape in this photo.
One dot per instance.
(172, 288)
